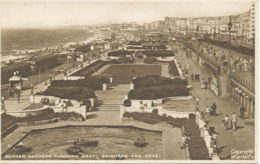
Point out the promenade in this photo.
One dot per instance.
(227, 139)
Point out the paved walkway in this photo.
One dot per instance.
(165, 71)
(241, 139)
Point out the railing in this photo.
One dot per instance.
(242, 80)
(237, 76)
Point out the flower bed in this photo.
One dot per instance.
(157, 92)
(92, 82)
(154, 80)
(75, 93)
(197, 146)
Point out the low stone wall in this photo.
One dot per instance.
(168, 59)
(81, 110)
(26, 113)
(206, 136)
(57, 100)
(148, 103)
(161, 111)
(40, 122)
(73, 78)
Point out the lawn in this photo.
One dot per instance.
(123, 74)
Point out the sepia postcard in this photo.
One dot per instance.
(129, 81)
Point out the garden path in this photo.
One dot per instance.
(113, 97)
(165, 71)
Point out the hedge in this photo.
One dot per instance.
(90, 69)
(75, 93)
(150, 60)
(93, 82)
(155, 80)
(157, 92)
(121, 53)
(158, 53)
(197, 146)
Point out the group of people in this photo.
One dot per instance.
(231, 122)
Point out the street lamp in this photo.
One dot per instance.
(229, 30)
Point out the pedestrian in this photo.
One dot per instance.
(234, 121)
(192, 76)
(226, 121)
(18, 95)
(242, 112)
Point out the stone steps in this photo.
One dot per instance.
(109, 107)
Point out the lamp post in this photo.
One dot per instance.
(229, 30)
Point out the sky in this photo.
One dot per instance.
(47, 13)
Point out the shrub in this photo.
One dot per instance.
(93, 82)
(76, 93)
(151, 93)
(127, 103)
(155, 80)
(158, 53)
(150, 60)
(90, 69)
